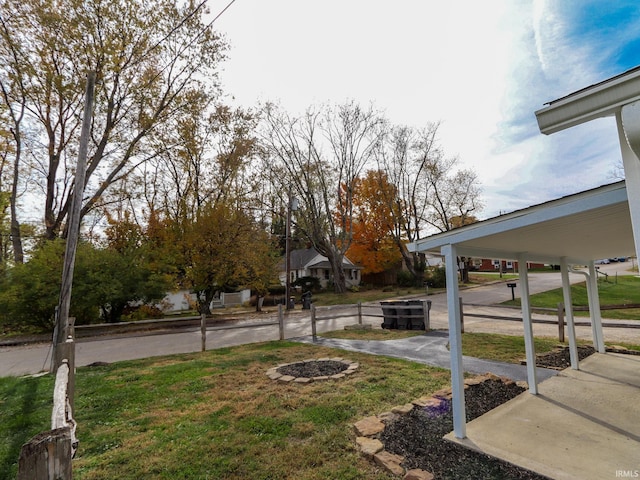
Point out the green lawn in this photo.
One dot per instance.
(216, 415)
(615, 291)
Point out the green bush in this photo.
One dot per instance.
(277, 290)
(104, 283)
(406, 279)
(435, 277)
(308, 283)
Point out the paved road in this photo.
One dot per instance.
(34, 358)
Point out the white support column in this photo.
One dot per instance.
(530, 348)
(455, 342)
(594, 309)
(568, 305)
(628, 123)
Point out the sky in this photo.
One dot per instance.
(481, 69)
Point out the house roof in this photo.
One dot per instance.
(582, 227)
(302, 257)
(602, 99)
(310, 258)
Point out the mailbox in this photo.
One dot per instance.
(512, 286)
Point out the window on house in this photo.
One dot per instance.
(326, 274)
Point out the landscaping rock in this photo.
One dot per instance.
(403, 409)
(390, 462)
(369, 446)
(417, 474)
(428, 402)
(368, 427)
(386, 416)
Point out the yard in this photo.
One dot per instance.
(217, 415)
(618, 290)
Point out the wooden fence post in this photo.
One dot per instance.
(561, 322)
(461, 316)
(313, 322)
(281, 321)
(47, 455)
(425, 311)
(203, 331)
(360, 313)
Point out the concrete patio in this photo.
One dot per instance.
(583, 424)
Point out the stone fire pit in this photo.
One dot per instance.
(313, 370)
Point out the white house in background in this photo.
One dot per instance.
(309, 263)
(182, 300)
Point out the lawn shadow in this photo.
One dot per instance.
(22, 419)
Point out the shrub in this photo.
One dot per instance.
(276, 290)
(308, 283)
(405, 279)
(436, 277)
(141, 313)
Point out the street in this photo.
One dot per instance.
(31, 359)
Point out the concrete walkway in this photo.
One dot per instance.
(584, 424)
(429, 349)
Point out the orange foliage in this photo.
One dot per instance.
(372, 244)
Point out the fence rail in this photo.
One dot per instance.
(418, 311)
(559, 311)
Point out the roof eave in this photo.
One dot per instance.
(600, 100)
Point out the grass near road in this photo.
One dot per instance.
(614, 291)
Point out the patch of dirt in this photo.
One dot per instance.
(313, 368)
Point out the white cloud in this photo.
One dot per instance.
(481, 68)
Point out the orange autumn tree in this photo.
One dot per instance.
(372, 244)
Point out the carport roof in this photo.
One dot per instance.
(582, 227)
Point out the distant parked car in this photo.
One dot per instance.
(603, 261)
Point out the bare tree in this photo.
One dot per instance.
(13, 104)
(318, 157)
(431, 192)
(148, 58)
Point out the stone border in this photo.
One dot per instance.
(369, 429)
(273, 373)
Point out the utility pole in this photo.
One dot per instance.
(292, 205)
(62, 313)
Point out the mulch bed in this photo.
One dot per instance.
(418, 435)
(315, 368)
(559, 359)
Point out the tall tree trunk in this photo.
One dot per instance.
(16, 236)
(339, 280)
(414, 262)
(205, 297)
